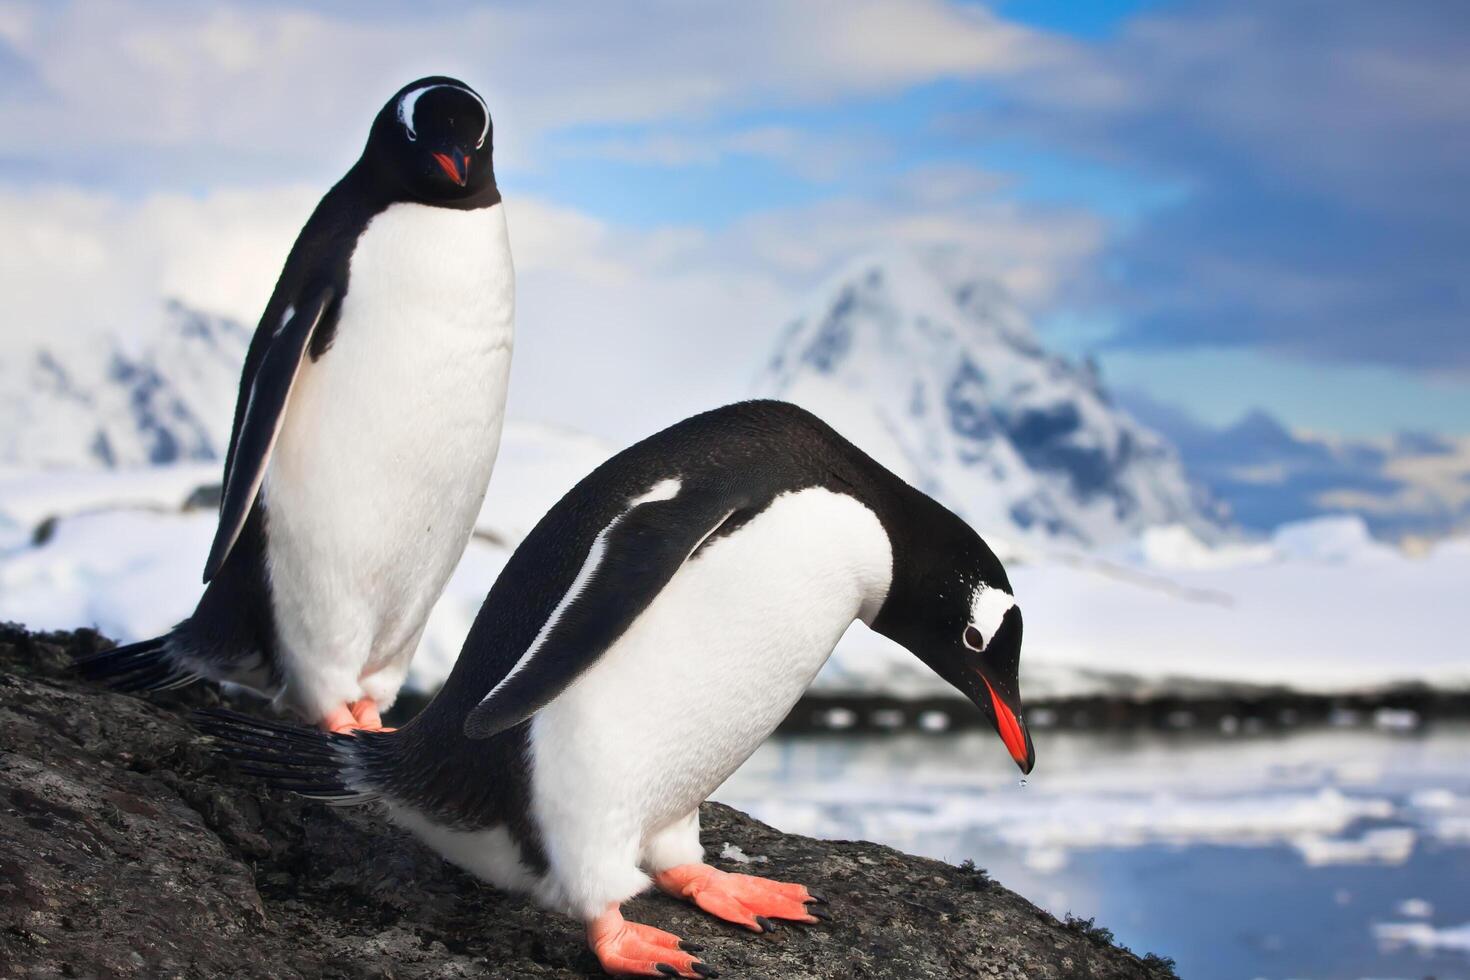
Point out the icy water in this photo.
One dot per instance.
(1321, 854)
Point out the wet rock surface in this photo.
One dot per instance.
(127, 849)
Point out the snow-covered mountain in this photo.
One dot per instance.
(170, 400)
(929, 367)
(921, 362)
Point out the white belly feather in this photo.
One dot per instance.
(697, 683)
(386, 450)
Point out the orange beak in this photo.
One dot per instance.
(1012, 732)
(449, 166)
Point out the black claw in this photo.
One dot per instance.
(690, 947)
(816, 897)
(666, 970)
(704, 971)
(765, 923)
(822, 914)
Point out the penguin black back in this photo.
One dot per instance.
(754, 450)
(750, 452)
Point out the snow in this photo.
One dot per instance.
(450, 621)
(1173, 547)
(732, 852)
(1334, 539)
(133, 401)
(133, 573)
(1384, 845)
(1127, 582)
(536, 466)
(125, 557)
(27, 496)
(1321, 607)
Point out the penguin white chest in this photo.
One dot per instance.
(705, 674)
(387, 446)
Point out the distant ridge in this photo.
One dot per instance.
(1405, 487)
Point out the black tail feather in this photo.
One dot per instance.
(307, 761)
(145, 666)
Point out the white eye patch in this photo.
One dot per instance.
(410, 99)
(988, 607)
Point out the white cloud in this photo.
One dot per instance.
(17, 20)
(277, 83)
(76, 263)
(628, 327)
(1029, 250)
(810, 155)
(637, 329)
(614, 327)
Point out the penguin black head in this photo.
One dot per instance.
(433, 141)
(952, 606)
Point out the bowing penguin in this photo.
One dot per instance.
(365, 431)
(647, 635)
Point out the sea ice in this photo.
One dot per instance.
(1422, 936)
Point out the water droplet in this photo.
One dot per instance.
(1023, 782)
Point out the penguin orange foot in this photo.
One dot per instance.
(742, 899)
(359, 716)
(629, 949)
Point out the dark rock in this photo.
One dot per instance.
(127, 849)
(205, 497)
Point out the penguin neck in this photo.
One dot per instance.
(923, 534)
(373, 181)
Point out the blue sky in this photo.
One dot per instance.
(1229, 205)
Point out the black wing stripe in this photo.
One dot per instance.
(265, 409)
(641, 550)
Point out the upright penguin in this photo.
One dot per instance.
(366, 428)
(650, 632)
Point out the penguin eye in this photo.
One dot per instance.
(973, 639)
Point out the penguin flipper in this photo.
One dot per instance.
(629, 563)
(265, 409)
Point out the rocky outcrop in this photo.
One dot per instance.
(128, 849)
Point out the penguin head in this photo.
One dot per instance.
(952, 606)
(433, 140)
